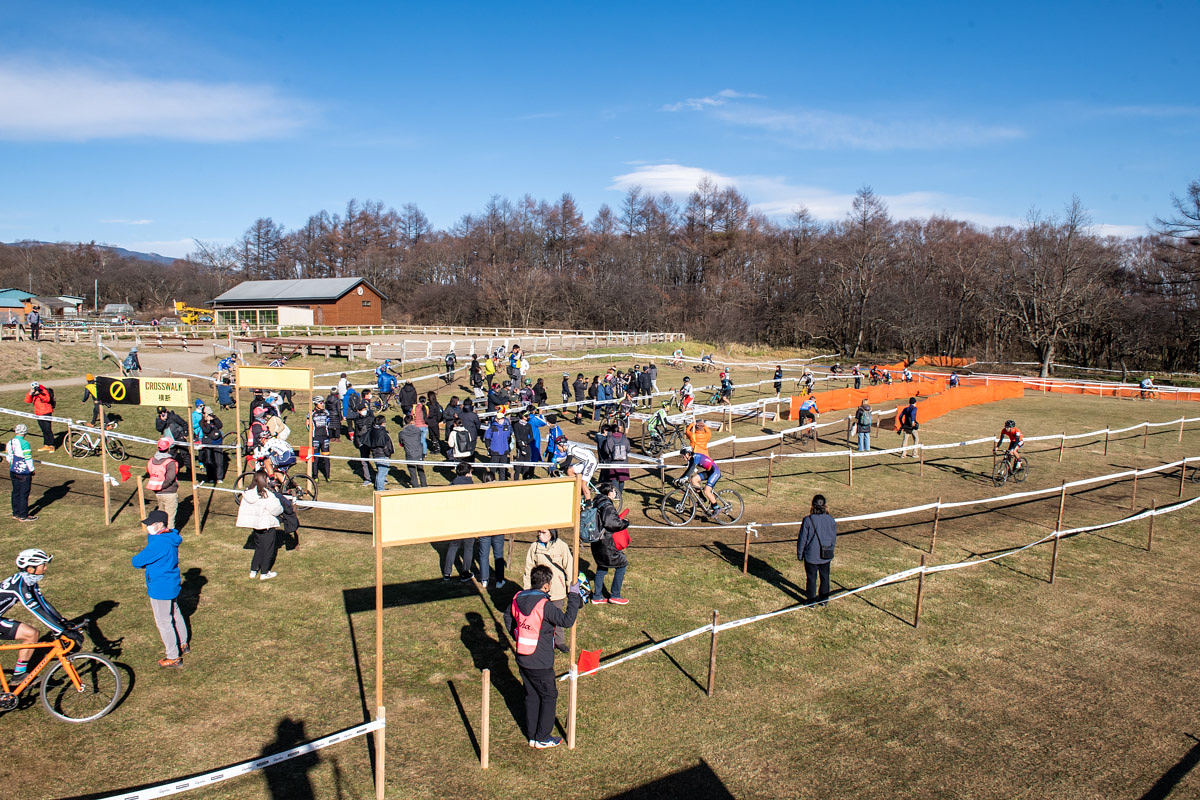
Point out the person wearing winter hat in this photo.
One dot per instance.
(160, 559)
(20, 470)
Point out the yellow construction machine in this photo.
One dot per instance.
(192, 316)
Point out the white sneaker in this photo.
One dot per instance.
(500, 584)
(266, 576)
(253, 573)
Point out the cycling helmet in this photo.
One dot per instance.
(561, 439)
(32, 558)
(566, 374)
(1010, 423)
(318, 401)
(666, 403)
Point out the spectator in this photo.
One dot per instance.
(197, 414)
(364, 421)
(532, 619)
(653, 380)
(475, 372)
(259, 510)
(35, 324)
(20, 472)
(489, 371)
(412, 442)
(225, 397)
(418, 413)
(352, 408)
(160, 559)
(42, 398)
(857, 373)
(645, 386)
(698, 435)
(333, 406)
(599, 392)
(381, 450)
(462, 477)
(212, 456)
(540, 397)
(171, 426)
(862, 425)
(322, 434)
(407, 396)
(343, 385)
(433, 418)
(499, 444)
(566, 388)
(778, 380)
(908, 428)
(580, 387)
(550, 551)
(523, 444)
(614, 449)
(163, 470)
(604, 550)
(814, 546)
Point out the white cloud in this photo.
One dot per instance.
(700, 103)
(1124, 231)
(819, 129)
(126, 221)
(176, 248)
(79, 104)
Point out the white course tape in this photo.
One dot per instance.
(246, 767)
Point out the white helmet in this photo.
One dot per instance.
(32, 558)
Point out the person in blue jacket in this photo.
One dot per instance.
(537, 421)
(160, 559)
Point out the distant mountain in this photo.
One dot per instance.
(153, 258)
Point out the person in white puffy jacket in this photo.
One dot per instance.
(259, 510)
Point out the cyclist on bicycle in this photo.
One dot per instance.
(1015, 440)
(227, 364)
(726, 388)
(809, 410)
(575, 459)
(1147, 387)
(385, 378)
(677, 357)
(687, 394)
(807, 381)
(131, 362)
(907, 375)
(275, 455)
(23, 587)
(658, 421)
(703, 473)
(836, 369)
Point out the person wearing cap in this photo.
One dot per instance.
(163, 470)
(322, 433)
(43, 406)
(413, 442)
(212, 456)
(498, 439)
(20, 472)
(197, 415)
(160, 560)
(171, 426)
(566, 387)
(90, 396)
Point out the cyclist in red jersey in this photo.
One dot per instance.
(1015, 440)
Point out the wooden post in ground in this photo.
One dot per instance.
(237, 411)
(746, 553)
(1182, 474)
(1145, 432)
(191, 445)
(993, 460)
(1150, 533)
(920, 593)
(1106, 432)
(770, 469)
(921, 455)
(733, 455)
(1133, 498)
(141, 498)
(1181, 419)
(485, 724)
(850, 467)
(104, 468)
(937, 516)
(1061, 442)
(712, 656)
(1062, 499)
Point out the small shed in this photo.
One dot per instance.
(311, 301)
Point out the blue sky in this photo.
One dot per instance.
(148, 125)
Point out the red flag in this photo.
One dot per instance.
(306, 453)
(589, 660)
(125, 473)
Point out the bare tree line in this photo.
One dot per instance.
(1050, 289)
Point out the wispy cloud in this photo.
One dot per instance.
(819, 129)
(126, 221)
(82, 103)
(174, 248)
(1123, 231)
(712, 101)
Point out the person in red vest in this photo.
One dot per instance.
(532, 619)
(163, 470)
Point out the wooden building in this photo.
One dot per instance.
(312, 301)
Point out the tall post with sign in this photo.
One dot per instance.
(295, 378)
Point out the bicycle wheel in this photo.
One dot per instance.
(651, 445)
(116, 449)
(1021, 472)
(101, 688)
(731, 507)
(301, 487)
(242, 484)
(79, 446)
(1000, 476)
(676, 440)
(678, 507)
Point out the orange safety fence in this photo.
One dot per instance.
(942, 361)
(1089, 389)
(840, 399)
(963, 396)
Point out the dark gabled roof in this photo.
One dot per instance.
(310, 289)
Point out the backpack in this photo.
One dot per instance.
(289, 521)
(50, 394)
(620, 450)
(589, 525)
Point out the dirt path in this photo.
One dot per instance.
(197, 361)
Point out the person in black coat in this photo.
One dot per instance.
(433, 418)
(333, 404)
(539, 393)
(605, 552)
(213, 458)
(537, 667)
(470, 421)
(381, 451)
(407, 397)
(814, 546)
(580, 387)
(523, 438)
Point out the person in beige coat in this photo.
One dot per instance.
(550, 551)
(259, 510)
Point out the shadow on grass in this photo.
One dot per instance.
(1170, 779)
(863, 596)
(50, 496)
(651, 640)
(490, 652)
(758, 568)
(101, 643)
(288, 780)
(687, 784)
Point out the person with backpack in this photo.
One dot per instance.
(540, 396)
(471, 423)
(225, 397)
(475, 372)
(499, 444)
(433, 419)
(131, 364)
(412, 441)
(862, 425)
(814, 546)
(908, 428)
(523, 444)
(407, 396)
(42, 399)
(20, 472)
(605, 551)
(614, 449)
(381, 450)
(352, 407)
(532, 620)
(778, 380)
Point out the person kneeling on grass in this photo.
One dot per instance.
(532, 620)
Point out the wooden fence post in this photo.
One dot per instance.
(770, 469)
(746, 553)
(920, 593)
(1061, 442)
(1062, 499)
(1145, 431)
(1150, 533)
(485, 735)
(1182, 474)
(921, 455)
(1133, 499)
(104, 468)
(141, 499)
(1181, 419)
(937, 516)
(850, 467)
(733, 455)
(1106, 432)
(712, 656)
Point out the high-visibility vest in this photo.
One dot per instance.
(157, 469)
(529, 626)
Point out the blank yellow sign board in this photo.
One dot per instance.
(416, 516)
(293, 378)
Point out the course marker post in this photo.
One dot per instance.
(1062, 499)
(1181, 419)
(141, 498)
(1133, 498)
(485, 733)
(920, 593)
(937, 515)
(1062, 441)
(712, 655)
(1106, 432)
(733, 456)
(850, 467)
(746, 553)
(1182, 474)
(104, 469)
(1150, 532)
(770, 468)
(921, 455)
(1145, 431)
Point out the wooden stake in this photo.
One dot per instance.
(379, 707)
(921, 455)
(573, 681)
(1150, 533)
(1145, 431)
(733, 455)
(920, 593)
(1182, 474)
(1061, 442)
(850, 467)
(104, 468)
(485, 734)
(1181, 429)
(937, 516)
(237, 410)
(312, 457)
(770, 468)
(1133, 499)
(1062, 499)
(712, 656)
(192, 461)
(746, 553)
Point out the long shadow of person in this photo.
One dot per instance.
(489, 652)
(189, 595)
(759, 569)
(50, 496)
(101, 643)
(288, 780)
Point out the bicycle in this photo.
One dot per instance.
(671, 438)
(679, 505)
(297, 487)
(704, 366)
(78, 687)
(85, 443)
(1011, 467)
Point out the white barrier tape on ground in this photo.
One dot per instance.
(247, 767)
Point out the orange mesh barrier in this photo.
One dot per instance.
(840, 399)
(942, 361)
(945, 402)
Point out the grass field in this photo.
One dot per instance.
(58, 361)
(1010, 687)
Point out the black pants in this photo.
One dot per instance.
(523, 473)
(21, 482)
(47, 432)
(416, 475)
(541, 699)
(214, 462)
(35, 331)
(811, 573)
(321, 463)
(266, 544)
(498, 474)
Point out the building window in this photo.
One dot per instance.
(366, 303)
(268, 317)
